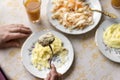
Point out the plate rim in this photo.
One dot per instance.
(46, 30)
(96, 41)
(100, 16)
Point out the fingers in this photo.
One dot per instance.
(14, 43)
(20, 28)
(13, 36)
(15, 31)
(12, 32)
(54, 77)
(54, 74)
(53, 68)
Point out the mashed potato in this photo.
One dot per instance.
(41, 55)
(111, 36)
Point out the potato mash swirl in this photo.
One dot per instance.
(111, 36)
(41, 55)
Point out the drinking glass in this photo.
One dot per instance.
(115, 3)
(33, 9)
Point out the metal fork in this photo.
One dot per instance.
(50, 60)
(111, 15)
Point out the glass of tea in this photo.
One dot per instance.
(115, 3)
(33, 9)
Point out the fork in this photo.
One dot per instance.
(50, 60)
(111, 15)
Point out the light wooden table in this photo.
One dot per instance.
(89, 63)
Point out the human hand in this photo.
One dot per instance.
(53, 74)
(10, 35)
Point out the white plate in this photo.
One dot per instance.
(26, 58)
(94, 4)
(111, 53)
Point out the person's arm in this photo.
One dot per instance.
(10, 35)
(53, 74)
(2, 75)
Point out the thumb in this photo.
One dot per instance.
(53, 68)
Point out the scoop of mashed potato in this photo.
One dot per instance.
(111, 36)
(41, 55)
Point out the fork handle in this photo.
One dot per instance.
(106, 13)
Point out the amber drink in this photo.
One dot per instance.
(33, 9)
(115, 3)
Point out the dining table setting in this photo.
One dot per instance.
(77, 36)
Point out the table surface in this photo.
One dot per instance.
(89, 63)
